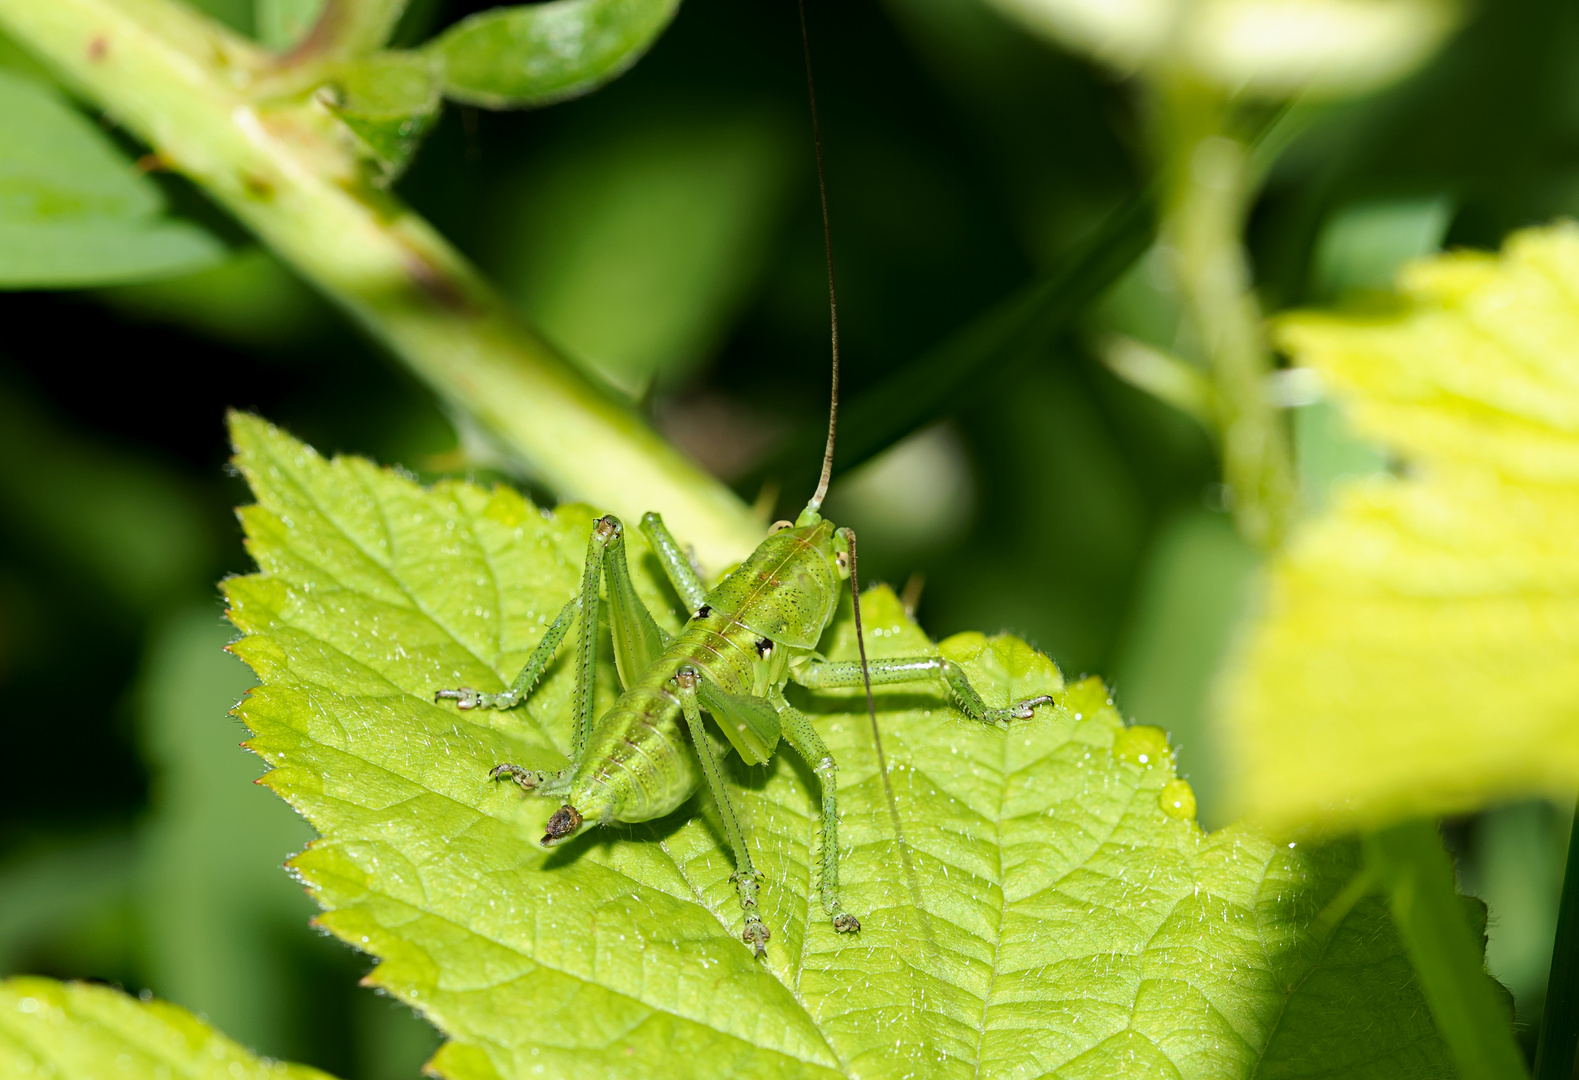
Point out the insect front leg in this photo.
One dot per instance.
(827, 675)
(746, 877)
(804, 738)
(467, 698)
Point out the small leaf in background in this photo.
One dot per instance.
(56, 1030)
(73, 210)
(1419, 649)
(215, 910)
(541, 53)
(1076, 918)
(1364, 243)
(635, 250)
(250, 299)
(1269, 47)
(388, 102)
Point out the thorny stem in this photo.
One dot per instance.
(1210, 185)
(201, 97)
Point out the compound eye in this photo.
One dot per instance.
(842, 558)
(764, 647)
(780, 526)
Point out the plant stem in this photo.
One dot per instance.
(1554, 1056)
(1409, 861)
(348, 28)
(199, 96)
(1210, 187)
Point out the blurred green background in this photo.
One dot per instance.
(664, 232)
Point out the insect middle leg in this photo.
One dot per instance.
(746, 876)
(800, 734)
(888, 670)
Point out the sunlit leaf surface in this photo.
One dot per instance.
(63, 1031)
(1073, 918)
(1419, 651)
(73, 209)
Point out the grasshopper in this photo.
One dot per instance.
(746, 639)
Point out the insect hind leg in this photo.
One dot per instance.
(746, 878)
(803, 737)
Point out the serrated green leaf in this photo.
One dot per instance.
(1074, 917)
(73, 210)
(541, 53)
(1419, 652)
(69, 1030)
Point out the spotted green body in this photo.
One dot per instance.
(766, 615)
(746, 638)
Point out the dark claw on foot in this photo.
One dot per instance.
(845, 923)
(756, 935)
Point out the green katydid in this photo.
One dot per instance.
(747, 637)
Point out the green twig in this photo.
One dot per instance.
(1211, 184)
(1409, 862)
(214, 107)
(348, 28)
(1554, 1056)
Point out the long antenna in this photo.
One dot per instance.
(827, 246)
(911, 877)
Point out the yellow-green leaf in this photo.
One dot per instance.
(76, 1031)
(1419, 647)
(1073, 917)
